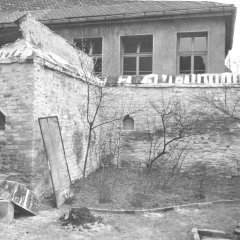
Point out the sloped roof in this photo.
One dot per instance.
(31, 5)
(117, 10)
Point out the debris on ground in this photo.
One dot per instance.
(23, 199)
(81, 218)
(210, 234)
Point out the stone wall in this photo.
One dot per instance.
(16, 103)
(218, 146)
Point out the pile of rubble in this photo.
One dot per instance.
(81, 218)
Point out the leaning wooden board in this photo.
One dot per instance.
(20, 195)
(55, 153)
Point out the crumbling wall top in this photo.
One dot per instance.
(42, 37)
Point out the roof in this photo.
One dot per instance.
(30, 5)
(114, 9)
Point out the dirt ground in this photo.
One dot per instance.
(125, 187)
(175, 225)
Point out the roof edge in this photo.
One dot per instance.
(132, 15)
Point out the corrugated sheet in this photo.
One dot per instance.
(135, 8)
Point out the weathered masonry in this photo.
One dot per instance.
(40, 78)
(37, 83)
(217, 145)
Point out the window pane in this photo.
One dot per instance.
(97, 45)
(200, 44)
(90, 45)
(97, 66)
(185, 64)
(129, 65)
(199, 64)
(146, 43)
(130, 44)
(145, 65)
(185, 44)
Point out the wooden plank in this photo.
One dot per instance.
(56, 158)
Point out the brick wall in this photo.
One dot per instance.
(56, 94)
(30, 91)
(16, 102)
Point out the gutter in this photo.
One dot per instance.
(147, 14)
(124, 16)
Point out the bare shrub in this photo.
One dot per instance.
(203, 178)
(142, 190)
(174, 124)
(167, 172)
(226, 102)
(170, 139)
(103, 180)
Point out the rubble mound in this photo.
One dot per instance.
(79, 217)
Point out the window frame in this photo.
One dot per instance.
(192, 53)
(136, 55)
(94, 56)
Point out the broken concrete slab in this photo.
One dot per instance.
(6, 211)
(19, 195)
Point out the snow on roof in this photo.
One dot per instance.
(22, 51)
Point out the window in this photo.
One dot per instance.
(137, 55)
(93, 47)
(192, 53)
(128, 123)
(2, 121)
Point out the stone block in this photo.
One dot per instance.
(6, 211)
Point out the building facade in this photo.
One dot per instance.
(142, 37)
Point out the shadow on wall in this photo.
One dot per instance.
(78, 145)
